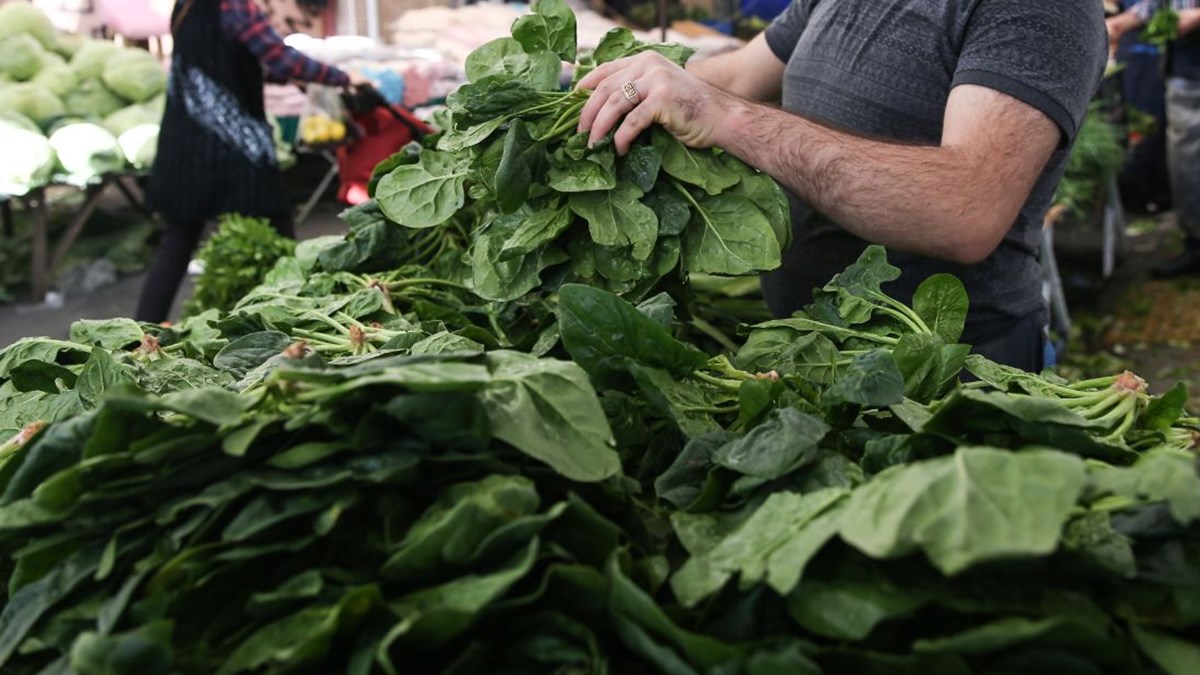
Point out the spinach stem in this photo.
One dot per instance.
(711, 410)
(321, 337)
(424, 281)
(731, 385)
(714, 333)
(916, 322)
(904, 318)
(326, 320)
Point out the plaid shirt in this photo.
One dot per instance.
(1146, 8)
(245, 22)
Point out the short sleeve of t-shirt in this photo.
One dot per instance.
(784, 32)
(1036, 52)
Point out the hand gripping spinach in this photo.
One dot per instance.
(543, 209)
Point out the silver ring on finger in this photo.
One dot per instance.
(631, 93)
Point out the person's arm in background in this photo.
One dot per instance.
(245, 22)
(1189, 19)
(1139, 15)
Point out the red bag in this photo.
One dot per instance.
(385, 131)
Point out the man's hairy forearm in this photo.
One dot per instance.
(908, 197)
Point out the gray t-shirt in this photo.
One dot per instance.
(884, 69)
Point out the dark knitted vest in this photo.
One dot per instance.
(215, 150)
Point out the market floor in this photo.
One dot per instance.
(120, 299)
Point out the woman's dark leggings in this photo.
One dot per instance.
(170, 263)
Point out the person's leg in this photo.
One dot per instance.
(1183, 159)
(170, 263)
(284, 224)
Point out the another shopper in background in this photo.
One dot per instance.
(216, 154)
(1183, 120)
(936, 128)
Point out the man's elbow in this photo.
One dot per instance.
(979, 239)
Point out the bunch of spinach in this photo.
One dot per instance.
(543, 208)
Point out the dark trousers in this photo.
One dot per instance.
(175, 251)
(1020, 343)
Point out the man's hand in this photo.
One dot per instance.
(685, 105)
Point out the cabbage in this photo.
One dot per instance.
(52, 60)
(24, 18)
(135, 75)
(135, 115)
(58, 80)
(68, 44)
(86, 151)
(33, 101)
(139, 145)
(28, 160)
(92, 100)
(20, 56)
(158, 104)
(16, 119)
(91, 56)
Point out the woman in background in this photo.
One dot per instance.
(216, 154)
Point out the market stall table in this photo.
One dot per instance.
(43, 261)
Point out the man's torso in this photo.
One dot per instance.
(884, 69)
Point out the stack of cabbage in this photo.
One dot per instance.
(72, 108)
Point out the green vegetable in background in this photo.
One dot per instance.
(1162, 28)
(85, 151)
(1096, 155)
(29, 160)
(92, 100)
(236, 259)
(20, 56)
(33, 101)
(90, 58)
(134, 75)
(22, 18)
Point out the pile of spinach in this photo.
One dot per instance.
(384, 459)
(544, 208)
(221, 496)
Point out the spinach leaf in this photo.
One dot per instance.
(549, 26)
(424, 194)
(617, 218)
(506, 57)
(729, 235)
(941, 301)
(785, 442)
(978, 505)
(548, 410)
(772, 546)
(700, 168)
(602, 333)
(515, 172)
